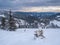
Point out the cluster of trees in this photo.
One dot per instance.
(9, 23)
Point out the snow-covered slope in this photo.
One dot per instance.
(20, 37)
(58, 17)
(54, 24)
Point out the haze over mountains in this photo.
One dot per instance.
(41, 9)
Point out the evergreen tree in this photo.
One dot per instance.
(3, 23)
(35, 24)
(12, 25)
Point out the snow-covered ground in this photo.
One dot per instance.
(19, 37)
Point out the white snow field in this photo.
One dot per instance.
(19, 37)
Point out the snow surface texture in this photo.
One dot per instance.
(55, 22)
(20, 37)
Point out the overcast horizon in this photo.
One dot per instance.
(31, 5)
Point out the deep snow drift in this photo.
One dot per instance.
(19, 37)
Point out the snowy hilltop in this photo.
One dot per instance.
(29, 28)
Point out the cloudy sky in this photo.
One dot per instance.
(30, 5)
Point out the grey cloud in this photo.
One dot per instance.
(54, 1)
(18, 4)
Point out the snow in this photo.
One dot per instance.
(58, 16)
(2, 15)
(19, 37)
(23, 22)
(55, 22)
